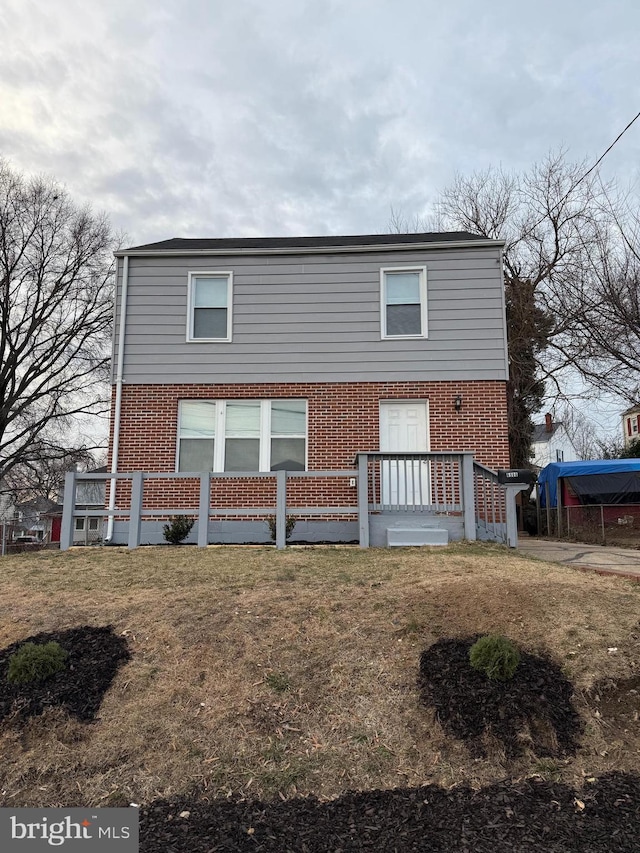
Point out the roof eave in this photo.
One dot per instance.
(311, 250)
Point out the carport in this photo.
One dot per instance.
(603, 493)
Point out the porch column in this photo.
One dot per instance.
(363, 499)
(281, 509)
(468, 496)
(135, 510)
(203, 511)
(512, 515)
(66, 525)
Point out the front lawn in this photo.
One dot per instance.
(266, 673)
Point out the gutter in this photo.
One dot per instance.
(503, 296)
(119, 377)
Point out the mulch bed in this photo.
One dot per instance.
(533, 709)
(95, 655)
(531, 816)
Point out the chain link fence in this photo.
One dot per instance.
(603, 524)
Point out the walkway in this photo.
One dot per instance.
(603, 559)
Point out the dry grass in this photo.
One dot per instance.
(260, 671)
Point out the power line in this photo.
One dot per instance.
(618, 137)
(588, 172)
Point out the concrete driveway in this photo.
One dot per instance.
(602, 559)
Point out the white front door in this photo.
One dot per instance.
(404, 428)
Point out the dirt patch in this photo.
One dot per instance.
(533, 709)
(617, 702)
(532, 815)
(95, 655)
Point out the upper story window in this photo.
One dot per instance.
(242, 435)
(209, 306)
(403, 302)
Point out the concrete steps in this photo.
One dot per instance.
(424, 532)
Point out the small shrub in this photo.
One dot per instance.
(289, 525)
(178, 529)
(496, 656)
(36, 662)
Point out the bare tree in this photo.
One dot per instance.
(55, 318)
(604, 306)
(590, 440)
(558, 226)
(44, 477)
(400, 223)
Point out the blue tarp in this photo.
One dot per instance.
(597, 468)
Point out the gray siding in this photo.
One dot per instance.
(316, 318)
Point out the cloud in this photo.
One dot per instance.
(298, 116)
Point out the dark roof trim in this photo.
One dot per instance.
(303, 245)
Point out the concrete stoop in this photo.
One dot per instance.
(402, 534)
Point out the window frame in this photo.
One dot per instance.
(194, 274)
(422, 271)
(265, 430)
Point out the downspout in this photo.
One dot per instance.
(118, 403)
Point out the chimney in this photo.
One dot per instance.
(548, 423)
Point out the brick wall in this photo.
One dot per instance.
(343, 418)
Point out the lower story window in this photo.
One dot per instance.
(242, 435)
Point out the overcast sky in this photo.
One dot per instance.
(246, 118)
(202, 118)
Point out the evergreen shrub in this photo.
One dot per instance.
(496, 656)
(178, 528)
(36, 662)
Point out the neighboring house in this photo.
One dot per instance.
(34, 518)
(259, 354)
(631, 424)
(90, 495)
(551, 443)
(41, 517)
